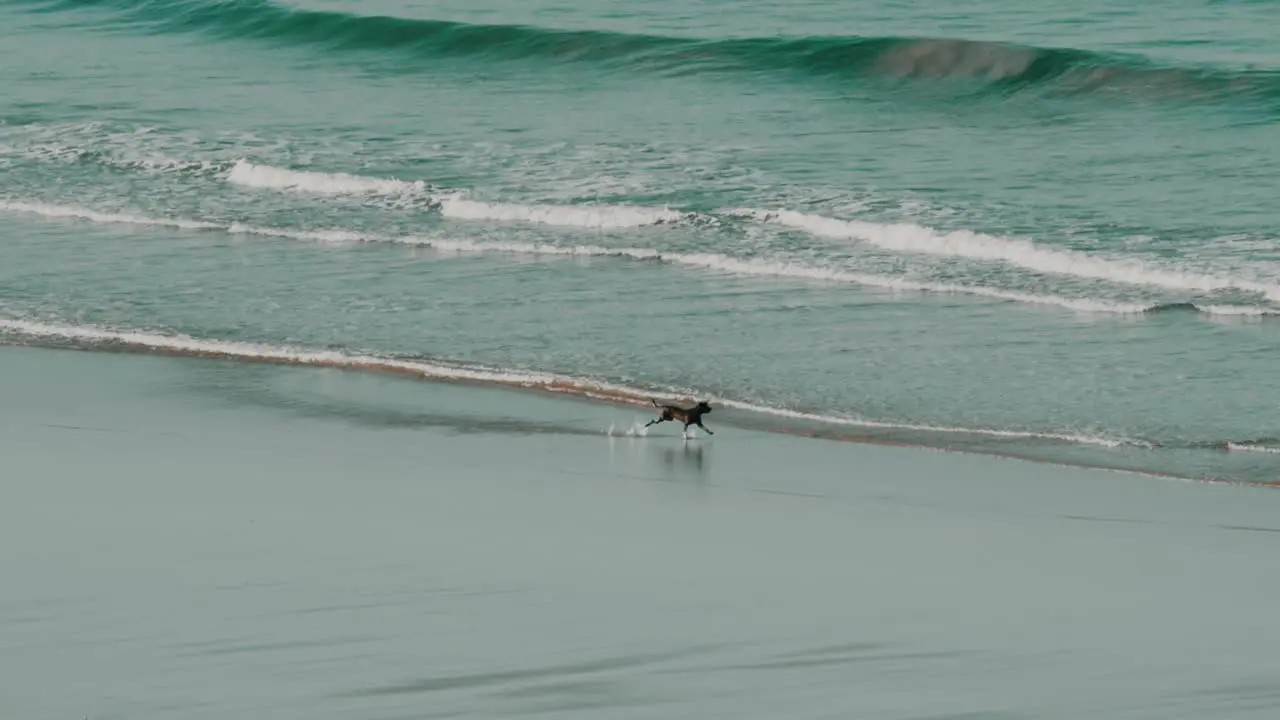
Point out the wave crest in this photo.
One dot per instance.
(1018, 253)
(453, 205)
(1005, 66)
(249, 174)
(713, 262)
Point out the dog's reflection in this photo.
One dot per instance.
(687, 462)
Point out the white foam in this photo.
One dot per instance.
(128, 159)
(527, 248)
(1246, 447)
(781, 269)
(332, 236)
(184, 344)
(636, 430)
(455, 206)
(1073, 438)
(335, 236)
(768, 268)
(1020, 253)
(265, 176)
(79, 213)
(586, 216)
(187, 345)
(168, 164)
(1246, 310)
(704, 261)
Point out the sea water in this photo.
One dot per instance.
(1041, 230)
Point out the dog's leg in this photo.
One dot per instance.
(663, 416)
(704, 427)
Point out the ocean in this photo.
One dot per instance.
(1045, 232)
(329, 331)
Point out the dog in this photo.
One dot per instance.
(689, 416)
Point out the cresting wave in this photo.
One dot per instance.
(79, 213)
(713, 262)
(1019, 253)
(253, 175)
(703, 261)
(80, 336)
(1006, 67)
(1251, 447)
(453, 205)
(902, 237)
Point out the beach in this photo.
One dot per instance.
(197, 538)
(330, 333)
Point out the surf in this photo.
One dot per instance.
(709, 262)
(916, 239)
(905, 238)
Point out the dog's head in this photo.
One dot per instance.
(703, 407)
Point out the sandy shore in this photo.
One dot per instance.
(193, 538)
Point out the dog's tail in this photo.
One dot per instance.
(655, 402)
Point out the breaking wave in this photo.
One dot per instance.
(894, 237)
(453, 205)
(714, 262)
(1253, 447)
(917, 239)
(265, 176)
(78, 213)
(1005, 67)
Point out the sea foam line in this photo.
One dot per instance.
(901, 237)
(79, 213)
(454, 205)
(1249, 447)
(1236, 310)
(703, 261)
(115, 158)
(1073, 438)
(922, 240)
(185, 345)
(195, 347)
(253, 175)
(584, 216)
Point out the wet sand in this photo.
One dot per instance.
(197, 538)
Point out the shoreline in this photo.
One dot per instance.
(540, 384)
(329, 544)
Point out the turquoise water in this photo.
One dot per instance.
(1045, 231)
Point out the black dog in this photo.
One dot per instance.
(690, 416)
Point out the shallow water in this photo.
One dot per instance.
(1045, 232)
